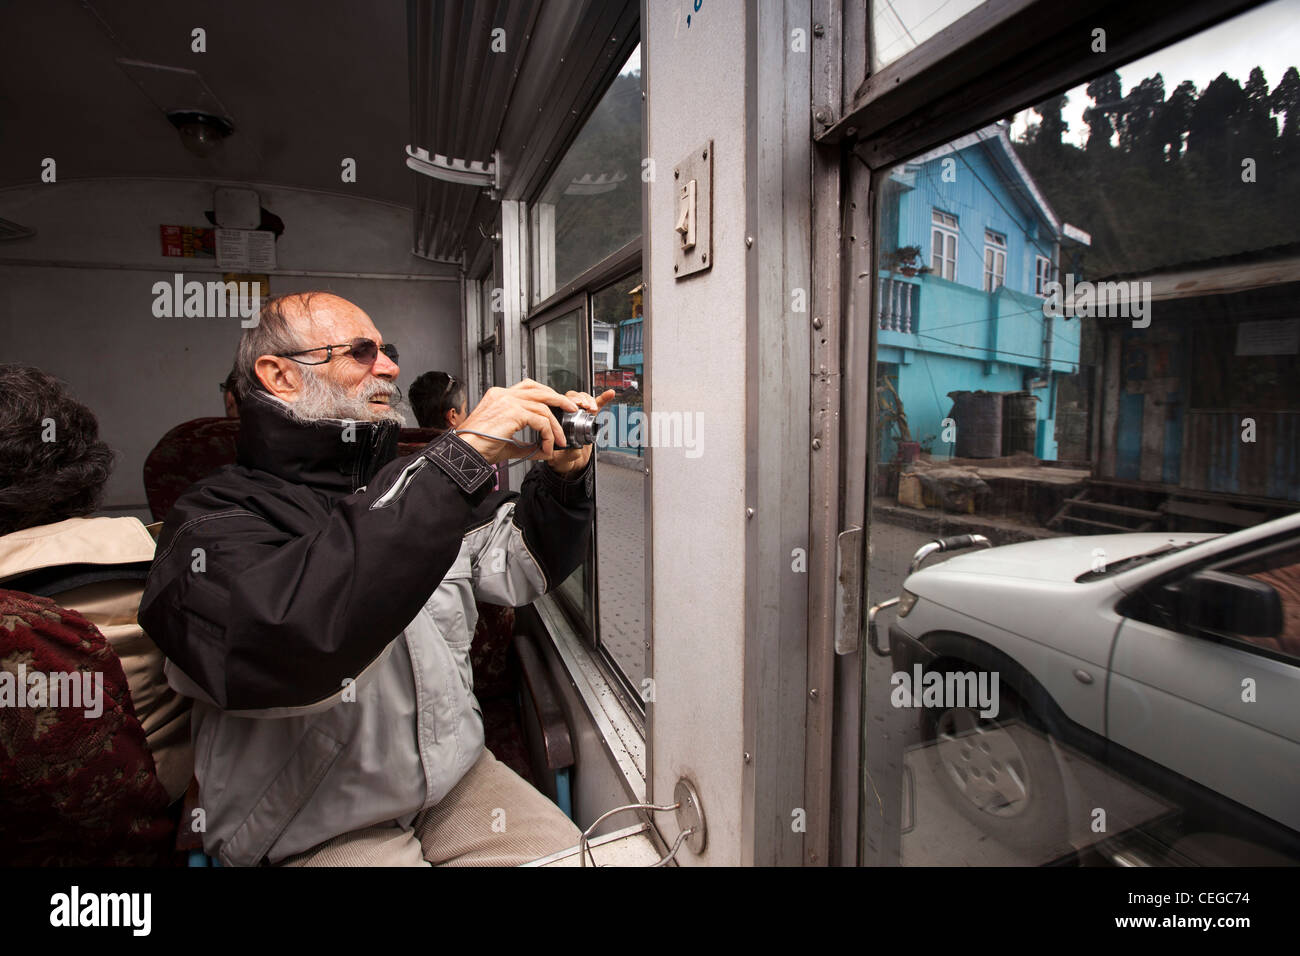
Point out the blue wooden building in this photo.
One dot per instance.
(964, 310)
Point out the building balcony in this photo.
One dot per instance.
(898, 307)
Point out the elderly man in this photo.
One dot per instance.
(317, 602)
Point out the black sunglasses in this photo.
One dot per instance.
(364, 351)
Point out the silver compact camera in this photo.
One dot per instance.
(579, 427)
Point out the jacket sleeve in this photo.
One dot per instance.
(262, 618)
(528, 545)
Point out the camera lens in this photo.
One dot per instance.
(579, 427)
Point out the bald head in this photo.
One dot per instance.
(321, 383)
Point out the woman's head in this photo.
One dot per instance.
(52, 464)
(438, 400)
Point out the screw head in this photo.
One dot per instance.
(747, 757)
(817, 321)
(817, 444)
(749, 242)
(812, 692)
(818, 30)
(749, 512)
(677, 174)
(822, 117)
(674, 268)
(704, 257)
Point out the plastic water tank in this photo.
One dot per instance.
(978, 416)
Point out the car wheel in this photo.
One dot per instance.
(1000, 773)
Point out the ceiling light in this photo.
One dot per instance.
(201, 133)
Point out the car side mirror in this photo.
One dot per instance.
(1228, 604)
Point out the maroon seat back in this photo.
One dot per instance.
(78, 783)
(190, 451)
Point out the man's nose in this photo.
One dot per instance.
(385, 367)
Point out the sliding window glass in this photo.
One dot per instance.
(1103, 390)
(586, 333)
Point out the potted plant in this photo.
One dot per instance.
(906, 259)
(891, 419)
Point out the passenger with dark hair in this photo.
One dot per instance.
(88, 783)
(230, 392)
(439, 400)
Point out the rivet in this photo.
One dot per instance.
(822, 117)
(817, 443)
(817, 321)
(851, 131)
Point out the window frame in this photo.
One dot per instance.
(578, 294)
(945, 231)
(997, 60)
(1042, 275)
(998, 250)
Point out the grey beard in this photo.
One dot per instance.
(322, 398)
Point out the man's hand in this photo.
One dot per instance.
(566, 461)
(505, 411)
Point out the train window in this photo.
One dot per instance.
(591, 205)
(897, 28)
(620, 535)
(585, 226)
(560, 360)
(1116, 399)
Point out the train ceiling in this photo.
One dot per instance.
(308, 85)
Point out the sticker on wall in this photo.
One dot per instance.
(188, 242)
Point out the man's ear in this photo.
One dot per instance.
(278, 376)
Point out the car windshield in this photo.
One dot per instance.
(1125, 564)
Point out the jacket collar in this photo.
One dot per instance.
(106, 541)
(330, 455)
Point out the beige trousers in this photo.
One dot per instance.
(492, 817)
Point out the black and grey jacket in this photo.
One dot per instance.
(317, 600)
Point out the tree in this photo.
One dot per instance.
(1053, 127)
(1217, 121)
(1285, 98)
(1171, 122)
(1106, 93)
(1137, 116)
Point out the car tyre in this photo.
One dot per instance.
(1000, 773)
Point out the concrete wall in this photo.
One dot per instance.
(76, 299)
